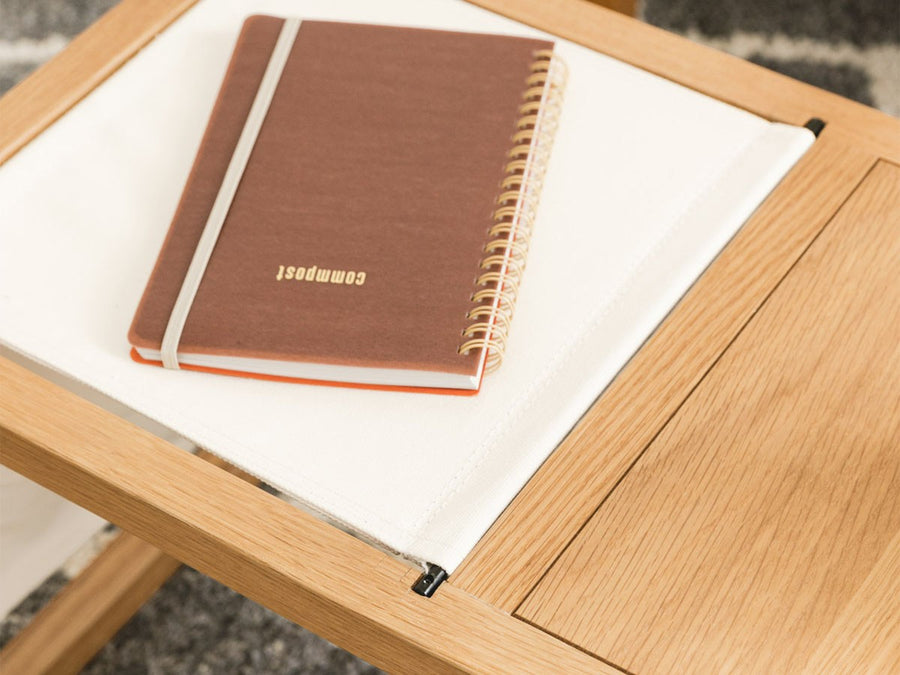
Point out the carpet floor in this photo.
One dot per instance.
(195, 625)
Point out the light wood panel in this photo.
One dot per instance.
(864, 636)
(546, 514)
(85, 615)
(762, 525)
(712, 72)
(90, 58)
(300, 567)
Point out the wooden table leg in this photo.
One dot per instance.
(86, 614)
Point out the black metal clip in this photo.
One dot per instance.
(429, 580)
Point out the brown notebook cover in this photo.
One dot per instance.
(360, 227)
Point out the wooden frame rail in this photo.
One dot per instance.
(304, 569)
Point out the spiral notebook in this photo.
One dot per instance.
(359, 209)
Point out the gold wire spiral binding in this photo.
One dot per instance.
(497, 286)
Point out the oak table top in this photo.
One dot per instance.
(731, 502)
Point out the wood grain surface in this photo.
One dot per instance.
(759, 532)
(863, 638)
(514, 554)
(272, 552)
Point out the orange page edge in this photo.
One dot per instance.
(299, 380)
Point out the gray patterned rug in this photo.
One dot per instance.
(195, 625)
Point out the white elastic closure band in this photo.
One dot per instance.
(252, 125)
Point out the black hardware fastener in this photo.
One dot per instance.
(815, 125)
(429, 580)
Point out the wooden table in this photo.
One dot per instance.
(732, 501)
